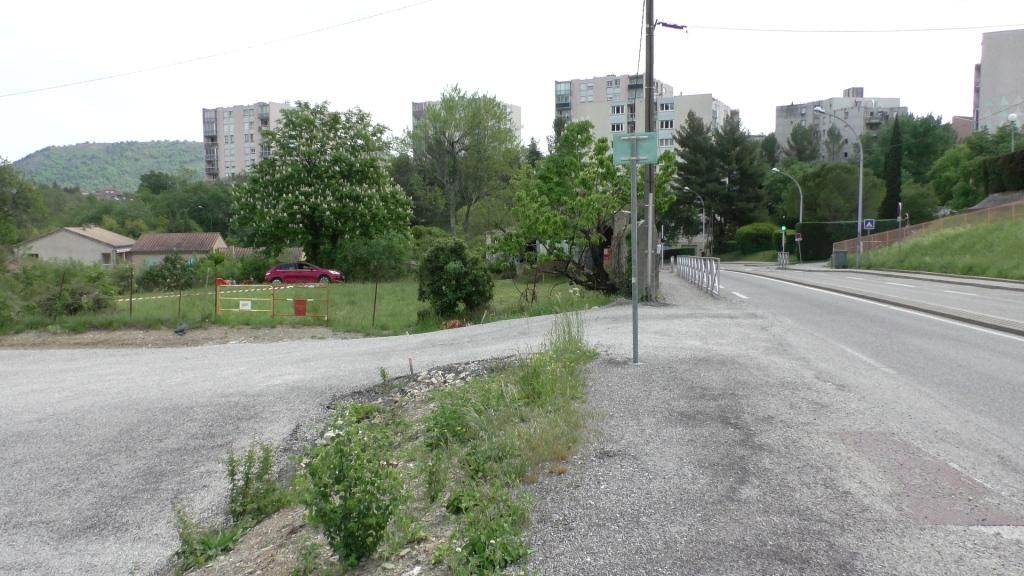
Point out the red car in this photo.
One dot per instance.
(301, 273)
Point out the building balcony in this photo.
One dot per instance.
(563, 105)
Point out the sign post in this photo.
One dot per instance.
(634, 148)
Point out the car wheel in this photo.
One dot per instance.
(275, 281)
(324, 280)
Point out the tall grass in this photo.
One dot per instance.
(351, 309)
(992, 250)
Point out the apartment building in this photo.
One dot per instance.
(999, 79)
(232, 138)
(863, 114)
(616, 104)
(515, 113)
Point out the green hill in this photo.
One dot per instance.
(992, 250)
(112, 166)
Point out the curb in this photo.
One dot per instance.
(1011, 326)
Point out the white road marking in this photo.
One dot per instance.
(864, 358)
(898, 284)
(854, 277)
(960, 293)
(1006, 335)
(741, 295)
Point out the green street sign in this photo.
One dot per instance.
(646, 147)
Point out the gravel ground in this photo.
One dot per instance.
(731, 451)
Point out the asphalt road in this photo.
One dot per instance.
(790, 431)
(796, 431)
(986, 299)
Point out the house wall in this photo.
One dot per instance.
(64, 245)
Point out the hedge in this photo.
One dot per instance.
(1003, 173)
(818, 237)
(756, 237)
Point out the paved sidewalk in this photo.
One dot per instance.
(724, 453)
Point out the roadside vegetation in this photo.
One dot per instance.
(991, 250)
(439, 474)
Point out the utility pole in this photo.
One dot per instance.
(649, 115)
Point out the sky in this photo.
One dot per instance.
(383, 55)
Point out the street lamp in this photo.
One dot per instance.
(703, 218)
(860, 180)
(798, 189)
(1013, 128)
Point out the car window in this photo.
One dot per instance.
(285, 267)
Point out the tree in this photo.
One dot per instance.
(22, 211)
(466, 146)
(557, 127)
(697, 170)
(427, 201)
(375, 259)
(532, 153)
(770, 149)
(739, 160)
(924, 140)
(957, 176)
(830, 193)
(893, 173)
(325, 183)
(833, 143)
(919, 202)
(804, 144)
(569, 206)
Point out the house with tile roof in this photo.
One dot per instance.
(150, 249)
(86, 244)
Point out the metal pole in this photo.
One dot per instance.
(635, 261)
(860, 196)
(649, 116)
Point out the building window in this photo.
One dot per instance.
(229, 138)
(664, 142)
(248, 113)
(666, 124)
(618, 109)
(227, 115)
(562, 88)
(617, 127)
(229, 128)
(249, 126)
(249, 138)
(666, 106)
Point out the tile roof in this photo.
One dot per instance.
(101, 235)
(178, 242)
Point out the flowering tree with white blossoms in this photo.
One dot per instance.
(326, 183)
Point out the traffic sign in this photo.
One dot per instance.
(869, 224)
(646, 147)
(799, 237)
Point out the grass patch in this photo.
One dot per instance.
(991, 250)
(351, 309)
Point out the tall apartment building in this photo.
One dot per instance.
(232, 137)
(616, 104)
(999, 79)
(863, 114)
(515, 113)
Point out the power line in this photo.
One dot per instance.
(852, 31)
(218, 54)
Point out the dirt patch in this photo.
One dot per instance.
(167, 338)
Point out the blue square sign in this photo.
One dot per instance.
(869, 224)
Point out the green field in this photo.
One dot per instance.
(350, 308)
(992, 250)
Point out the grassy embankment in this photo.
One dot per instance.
(439, 475)
(992, 250)
(350, 308)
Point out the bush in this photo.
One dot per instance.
(64, 289)
(490, 539)
(1004, 173)
(756, 237)
(253, 494)
(452, 280)
(174, 273)
(790, 241)
(375, 259)
(353, 492)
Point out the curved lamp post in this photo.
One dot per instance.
(703, 217)
(798, 189)
(1012, 118)
(860, 179)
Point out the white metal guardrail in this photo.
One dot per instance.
(701, 272)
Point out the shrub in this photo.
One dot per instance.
(201, 544)
(375, 259)
(66, 288)
(490, 539)
(174, 273)
(253, 494)
(756, 237)
(451, 279)
(1003, 173)
(353, 492)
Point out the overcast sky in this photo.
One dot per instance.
(512, 50)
